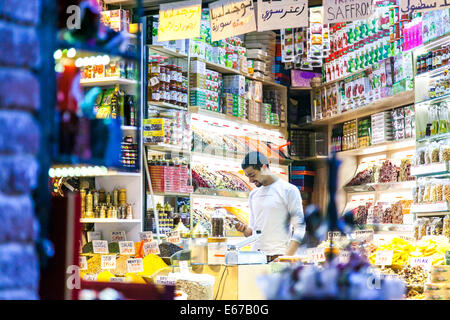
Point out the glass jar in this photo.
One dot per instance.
(217, 248)
(199, 245)
(218, 223)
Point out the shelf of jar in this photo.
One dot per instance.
(380, 147)
(441, 136)
(434, 72)
(431, 169)
(67, 170)
(442, 206)
(434, 100)
(164, 147)
(109, 220)
(166, 105)
(107, 81)
(400, 99)
(376, 187)
(167, 52)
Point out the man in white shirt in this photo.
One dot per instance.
(275, 209)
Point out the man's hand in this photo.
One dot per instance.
(241, 227)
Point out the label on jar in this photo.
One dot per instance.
(135, 265)
(108, 262)
(156, 96)
(151, 247)
(117, 236)
(155, 69)
(83, 263)
(384, 258)
(154, 81)
(174, 237)
(100, 246)
(126, 247)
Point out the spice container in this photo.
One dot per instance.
(218, 224)
(89, 206)
(184, 235)
(199, 245)
(217, 248)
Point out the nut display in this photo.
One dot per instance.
(388, 172)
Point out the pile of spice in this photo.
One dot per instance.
(113, 247)
(168, 249)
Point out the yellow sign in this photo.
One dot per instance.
(179, 20)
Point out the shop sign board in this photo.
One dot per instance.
(346, 10)
(384, 258)
(135, 265)
(151, 247)
(126, 247)
(100, 246)
(117, 236)
(411, 6)
(231, 18)
(282, 14)
(147, 236)
(179, 20)
(108, 261)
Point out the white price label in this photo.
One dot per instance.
(174, 237)
(135, 265)
(90, 277)
(83, 263)
(425, 262)
(117, 236)
(94, 235)
(108, 262)
(184, 267)
(363, 235)
(151, 247)
(118, 279)
(344, 256)
(319, 255)
(146, 236)
(384, 258)
(165, 280)
(100, 246)
(334, 235)
(126, 247)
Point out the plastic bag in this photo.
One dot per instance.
(196, 286)
(444, 153)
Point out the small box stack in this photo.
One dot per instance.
(129, 153)
(277, 114)
(303, 178)
(170, 179)
(234, 96)
(205, 86)
(381, 127)
(261, 50)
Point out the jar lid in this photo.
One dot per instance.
(184, 232)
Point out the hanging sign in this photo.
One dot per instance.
(346, 10)
(411, 6)
(179, 20)
(282, 14)
(231, 18)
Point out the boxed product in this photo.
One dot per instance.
(118, 20)
(198, 66)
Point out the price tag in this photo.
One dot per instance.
(425, 262)
(126, 247)
(94, 235)
(310, 255)
(334, 235)
(118, 279)
(363, 235)
(108, 262)
(117, 236)
(90, 277)
(135, 265)
(384, 258)
(100, 246)
(165, 280)
(184, 267)
(151, 247)
(319, 255)
(83, 263)
(344, 256)
(146, 236)
(407, 238)
(174, 237)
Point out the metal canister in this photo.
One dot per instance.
(123, 196)
(102, 196)
(89, 206)
(103, 212)
(114, 212)
(108, 199)
(95, 198)
(83, 203)
(129, 209)
(109, 212)
(115, 197)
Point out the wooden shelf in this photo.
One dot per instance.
(381, 147)
(99, 82)
(398, 100)
(167, 52)
(300, 88)
(166, 105)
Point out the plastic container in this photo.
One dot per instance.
(217, 248)
(218, 223)
(199, 245)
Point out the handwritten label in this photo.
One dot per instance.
(165, 280)
(363, 235)
(90, 277)
(315, 255)
(334, 235)
(146, 236)
(151, 247)
(179, 20)
(231, 18)
(126, 247)
(135, 265)
(184, 267)
(282, 14)
(344, 256)
(174, 237)
(100, 246)
(411, 6)
(384, 258)
(117, 236)
(94, 235)
(118, 279)
(346, 10)
(425, 262)
(108, 261)
(83, 263)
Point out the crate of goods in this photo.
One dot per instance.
(381, 124)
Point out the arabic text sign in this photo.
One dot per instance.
(231, 18)
(346, 10)
(282, 14)
(179, 20)
(411, 6)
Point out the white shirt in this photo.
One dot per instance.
(272, 209)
